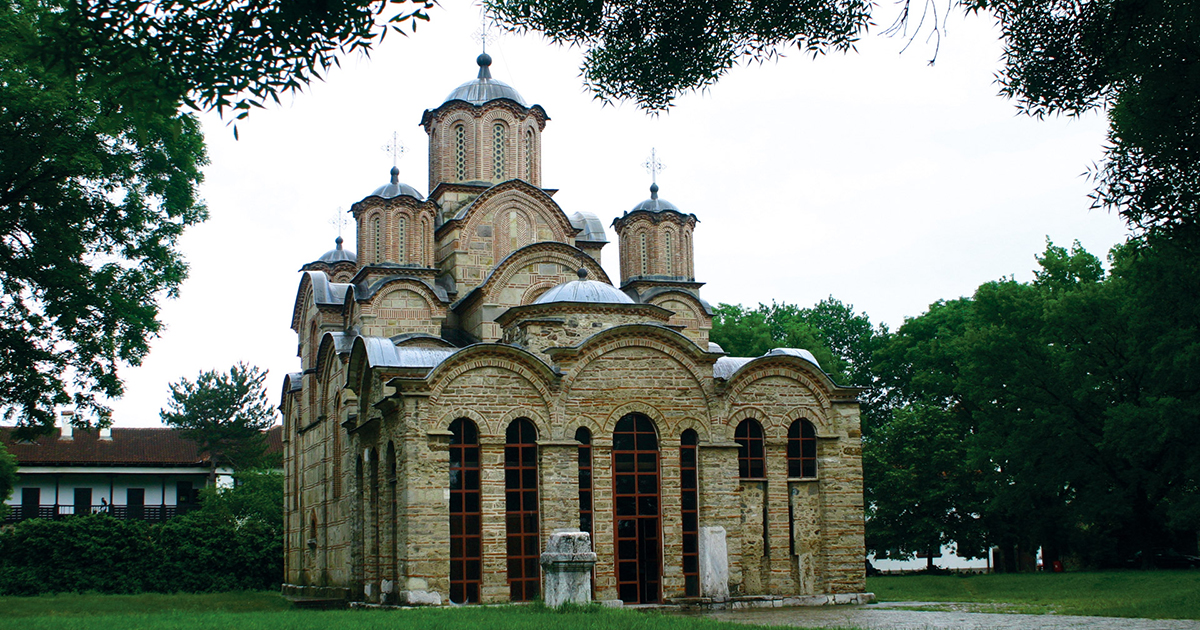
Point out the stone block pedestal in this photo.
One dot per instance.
(567, 568)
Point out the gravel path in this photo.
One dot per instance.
(890, 617)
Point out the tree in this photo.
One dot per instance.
(1137, 60)
(99, 167)
(652, 50)
(95, 193)
(8, 478)
(923, 491)
(1134, 58)
(225, 414)
(1075, 397)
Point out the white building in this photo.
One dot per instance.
(146, 473)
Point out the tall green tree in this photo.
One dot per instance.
(922, 493)
(100, 163)
(94, 192)
(1076, 399)
(226, 414)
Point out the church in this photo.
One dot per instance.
(472, 381)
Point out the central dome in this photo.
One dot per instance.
(484, 88)
(584, 290)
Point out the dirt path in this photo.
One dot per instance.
(891, 616)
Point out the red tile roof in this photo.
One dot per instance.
(128, 447)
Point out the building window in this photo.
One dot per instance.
(751, 459)
(498, 142)
(529, 155)
(521, 510)
(584, 437)
(466, 531)
(645, 254)
(460, 152)
(668, 260)
(636, 503)
(689, 502)
(802, 449)
(401, 243)
(377, 230)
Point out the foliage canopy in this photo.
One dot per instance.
(225, 414)
(95, 193)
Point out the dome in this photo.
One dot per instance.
(484, 88)
(337, 254)
(584, 290)
(396, 188)
(654, 204)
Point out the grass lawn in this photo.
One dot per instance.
(1152, 594)
(269, 611)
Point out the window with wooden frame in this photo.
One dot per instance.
(690, 508)
(466, 531)
(521, 510)
(802, 449)
(751, 452)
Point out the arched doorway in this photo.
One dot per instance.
(637, 510)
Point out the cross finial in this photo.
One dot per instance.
(654, 166)
(394, 148)
(338, 221)
(486, 32)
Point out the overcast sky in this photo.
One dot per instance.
(872, 177)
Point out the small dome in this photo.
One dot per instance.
(337, 254)
(396, 188)
(584, 290)
(654, 204)
(484, 88)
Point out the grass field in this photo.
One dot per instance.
(268, 611)
(1152, 594)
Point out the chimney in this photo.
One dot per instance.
(106, 434)
(65, 418)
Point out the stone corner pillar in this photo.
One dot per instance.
(714, 564)
(567, 568)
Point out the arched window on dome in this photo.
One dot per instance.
(529, 155)
(499, 139)
(460, 152)
(645, 255)
(802, 449)
(668, 259)
(401, 239)
(419, 252)
(751, 454)
(377, 230)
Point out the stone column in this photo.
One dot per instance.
(558, 496)
(495, 533)
(718, 494)
(780, 559)
(427, 507)
(839, 468)
(602, 517)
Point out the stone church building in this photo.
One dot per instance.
(472, 381)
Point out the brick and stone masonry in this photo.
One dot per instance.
(484, 307)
